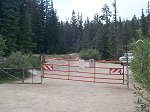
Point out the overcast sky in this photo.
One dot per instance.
(126, 8)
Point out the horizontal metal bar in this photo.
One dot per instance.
(84, 67)
(103, 61)
(82, 72)
(19, 68)
(61, 59)
(108, 74)
(68, 79)
(107, 61)
(55, 78)
(56, 74)
(70, 71)
(81, 76)
(108, 82)
(82, 80)
(108, 78)
(29, 83)
(56, 64)
(108, 67)
(68, 75)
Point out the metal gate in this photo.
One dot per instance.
(21, 75)
(110, 72)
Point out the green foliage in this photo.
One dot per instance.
(33, 26)
(17, 60)
(51, 29)
(9, 24)
(89, 54)
(140, 65)
(34, 60)
(144, 25)
(143, 99)
(2, 45)
(24, 39)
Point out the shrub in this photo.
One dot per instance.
(140, 65)
(34, 60)
(17, 60)
(89, 54)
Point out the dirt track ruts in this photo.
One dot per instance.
(65, 96)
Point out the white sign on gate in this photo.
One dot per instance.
(91, 63)
(81, 63)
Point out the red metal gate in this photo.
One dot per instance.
(109, 72)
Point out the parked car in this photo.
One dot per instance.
(128, 55)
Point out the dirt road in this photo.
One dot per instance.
(65, 96)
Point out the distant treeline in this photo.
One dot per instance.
(33, 26)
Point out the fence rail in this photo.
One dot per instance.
(76, 70)
(21, 75)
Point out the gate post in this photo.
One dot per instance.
(94, 70)
(123, 73)
(92, 65)
(68, 69)
(41, 59)
(23, 75)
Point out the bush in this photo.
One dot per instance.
(89, 54)
(17, 60)
(34, 60)
(140, 64)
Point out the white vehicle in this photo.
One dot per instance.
(128, 55)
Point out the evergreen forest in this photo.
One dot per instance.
(33, 26)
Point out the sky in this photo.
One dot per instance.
(126, 8)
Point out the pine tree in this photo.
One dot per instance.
(73, 36)
(97, 40)
(112, 42)
(134, 28)
(115, 14)
(120, 36)
(37, 17)
(66, 29)
(62, 40)
(106, 31)
(88, 35)
(148, 14)
(144, 26)
(2, 45)
(1, 13)
(127, 38)
(52, 29)
(106, 14)
(9, 23)
(25, 43)
(79, 32)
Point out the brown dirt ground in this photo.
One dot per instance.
(65, 96)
